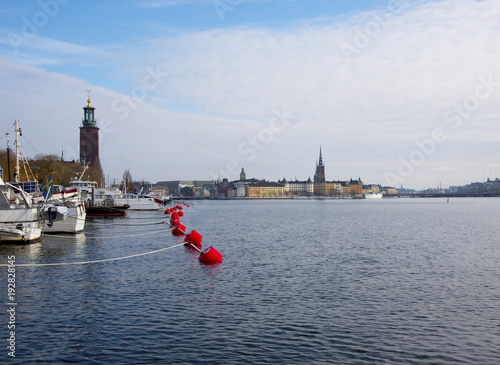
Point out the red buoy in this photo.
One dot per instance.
(194, 238)
(181, 213)
(174, 215)
(179, 229)
(210, 256)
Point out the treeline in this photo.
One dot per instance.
(40, 168)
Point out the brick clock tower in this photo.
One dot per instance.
(89, 137)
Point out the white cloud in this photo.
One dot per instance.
(43, 51)
(367, 112)
(155, 143)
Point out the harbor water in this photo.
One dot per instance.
(387, 281)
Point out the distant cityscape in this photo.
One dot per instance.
(351, 189)
(318, 187)
(259, 188)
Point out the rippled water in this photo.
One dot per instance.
(350, 282)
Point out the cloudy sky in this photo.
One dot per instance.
(395, 92)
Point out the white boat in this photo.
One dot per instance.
(70, 205)
(134, 201)
(113, 197)
(63, 212)
(373, 195)
(20, 221)
(73, 223)
(83, 187)
(137, 202)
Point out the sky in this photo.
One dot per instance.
(398, 93)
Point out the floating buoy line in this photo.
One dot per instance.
(191, 240)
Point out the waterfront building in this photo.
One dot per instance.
(367, 189)
(356, 186)
(240, 188)
(389, 190)
(328, 188)
(299, 188)
(200, 192)
(264, 189)
(173, 185)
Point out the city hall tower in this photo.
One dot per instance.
(89, 137)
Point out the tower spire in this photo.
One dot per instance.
(319, 176)
(88, 100)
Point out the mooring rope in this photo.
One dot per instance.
(97, 261)
(129, 224)
(122, 236)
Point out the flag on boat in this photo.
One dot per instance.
(47, 187)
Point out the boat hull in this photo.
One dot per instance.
(73, 223)
(139, 203)
(20, 226)
(13, 235)
(105, 212)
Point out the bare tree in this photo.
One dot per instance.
(128, 182)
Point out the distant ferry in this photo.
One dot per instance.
(373, 195)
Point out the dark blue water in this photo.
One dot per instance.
(413, 281)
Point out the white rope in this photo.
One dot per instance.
(96, 261)
(127, 224)
(110, 237)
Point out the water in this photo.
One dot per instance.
(414, 281)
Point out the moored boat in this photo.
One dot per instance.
(68, 210)
(131, 201)
(73, 222)
(20, 221)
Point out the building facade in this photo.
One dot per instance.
(264, 189)
(328, 188)
(299, 188)
(356, 186)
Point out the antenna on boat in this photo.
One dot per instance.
(83, 172)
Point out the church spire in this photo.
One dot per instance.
(319, 176)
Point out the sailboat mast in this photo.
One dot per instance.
(18, 133)
(8, 155)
